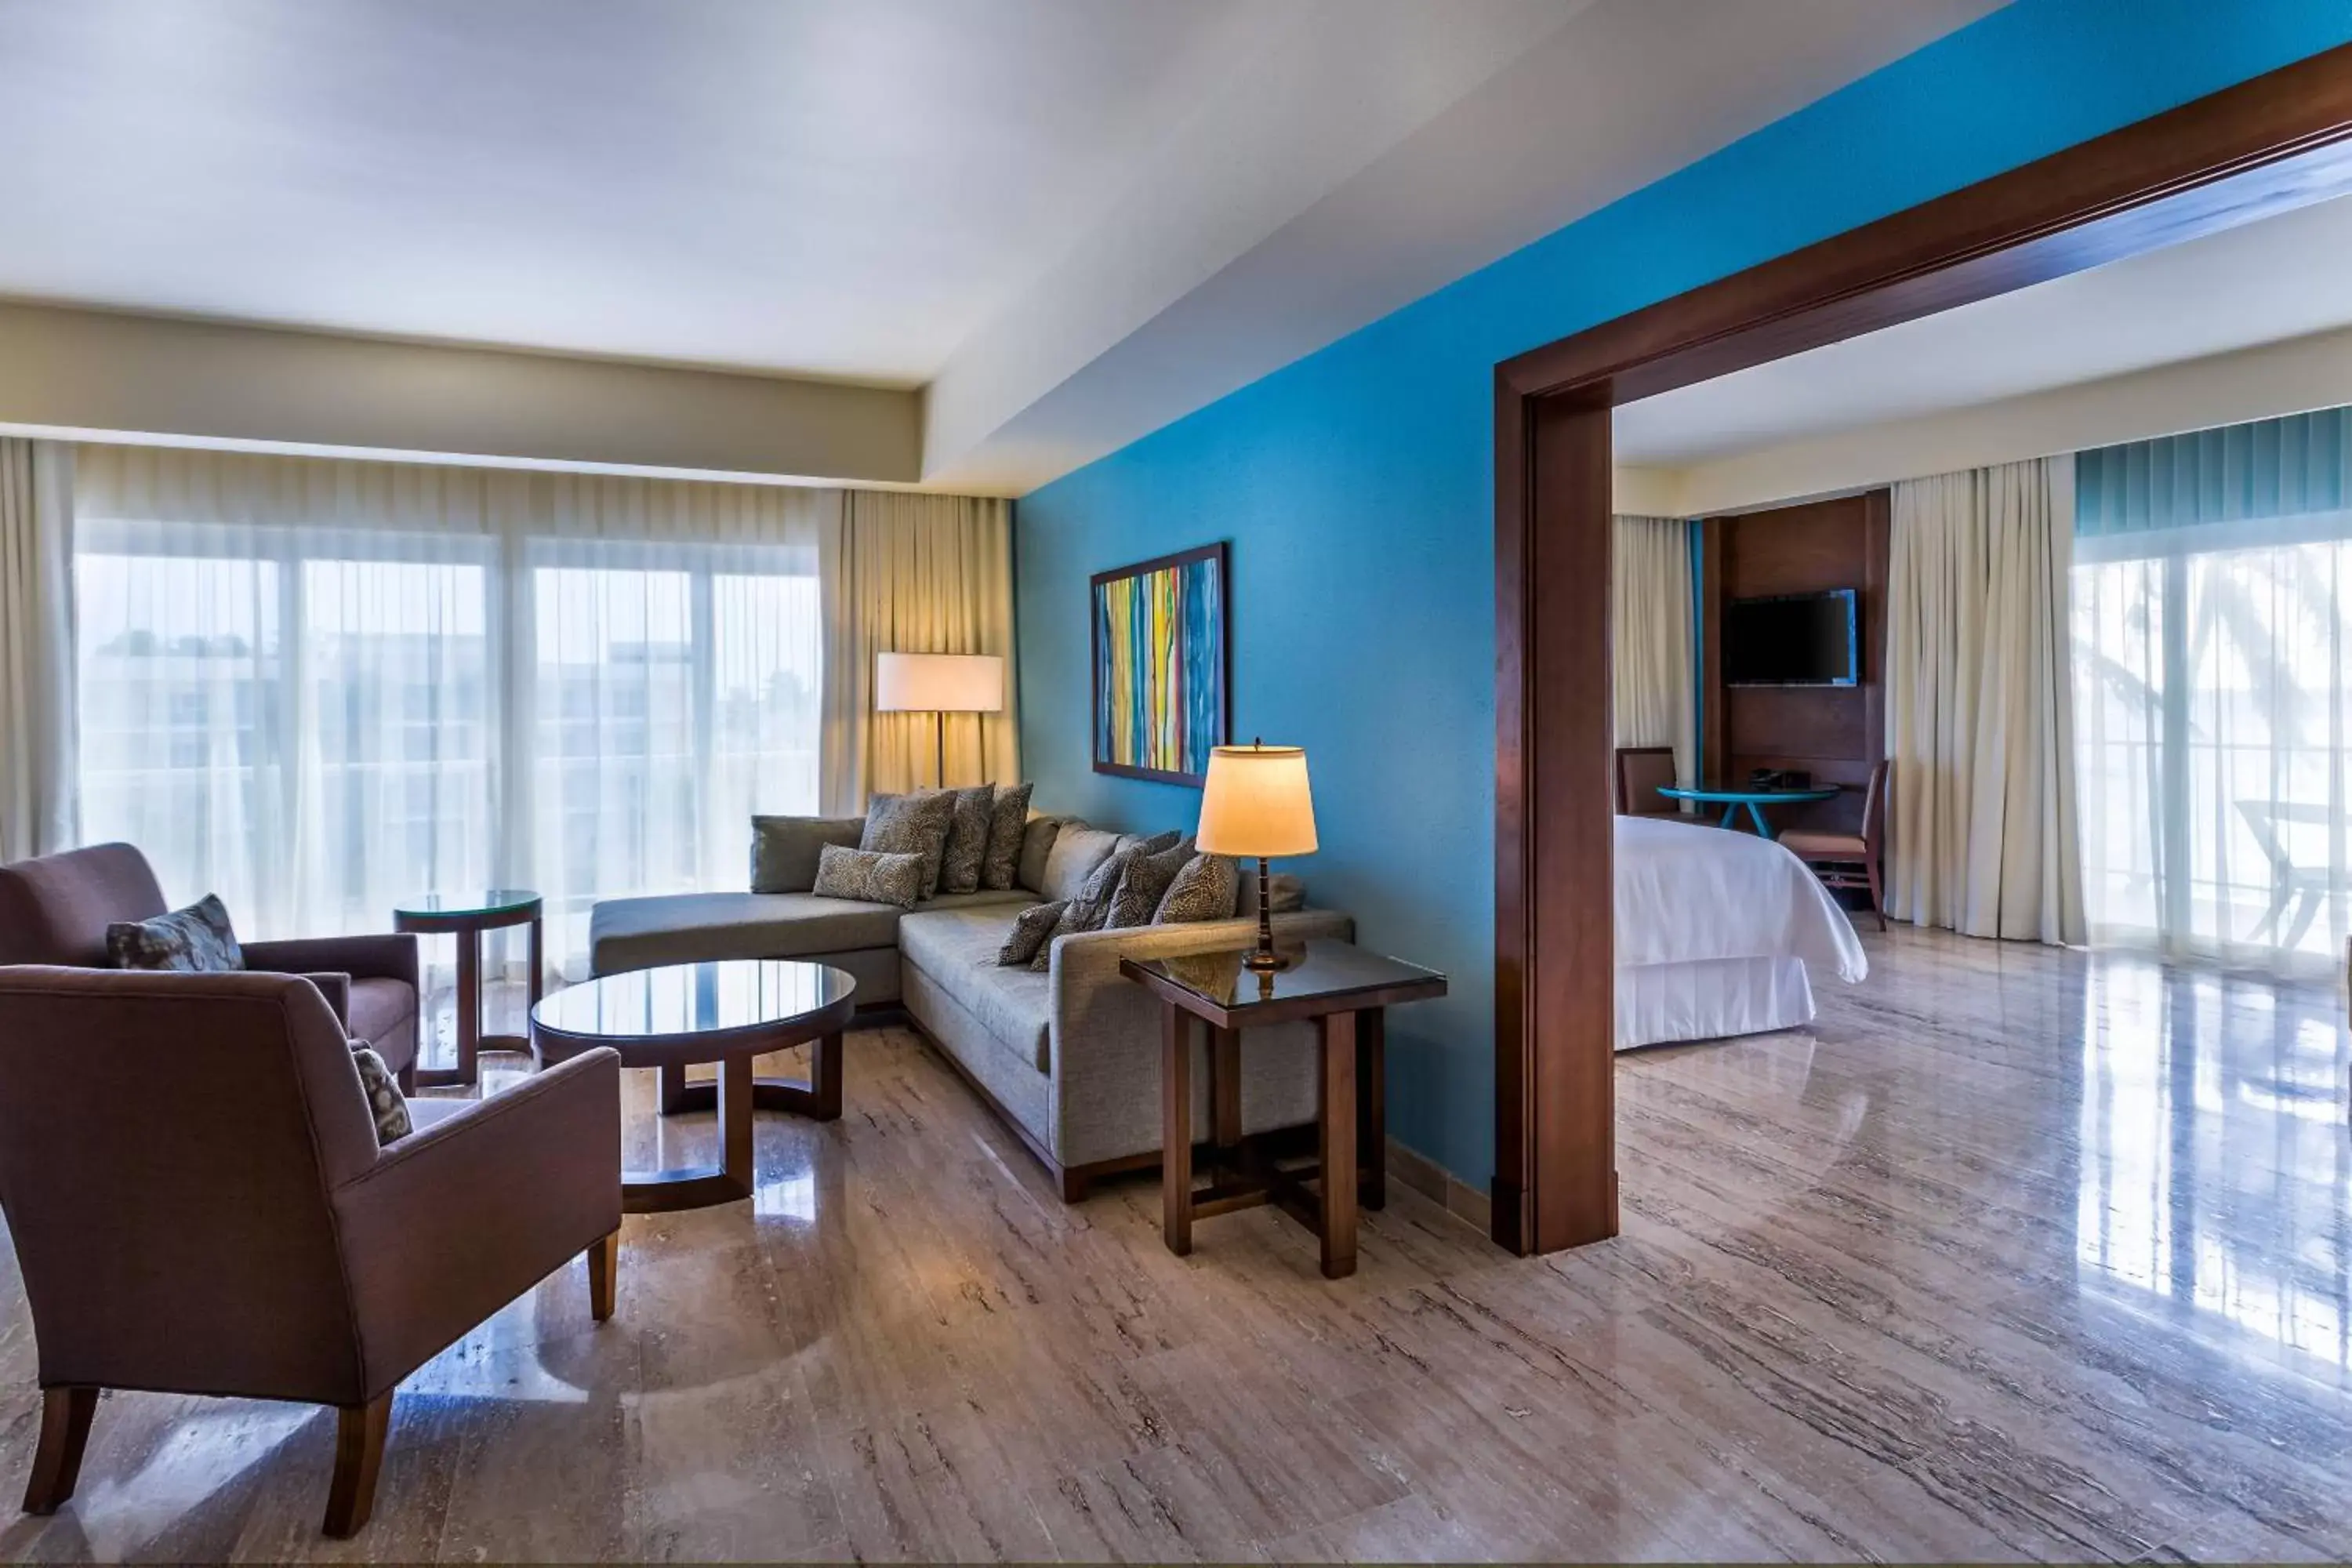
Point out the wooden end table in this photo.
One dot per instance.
(467, 916)
(1346, 991)
(727, 1012)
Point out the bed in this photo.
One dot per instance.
(1719, 933)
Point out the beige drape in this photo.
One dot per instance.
(37, 796)
(1650, 611)
(1979, 715)
(913, 573)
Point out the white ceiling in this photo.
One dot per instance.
(2279, 278)
(1073, 220)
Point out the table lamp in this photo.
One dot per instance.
(1256, 803)
(939, 684)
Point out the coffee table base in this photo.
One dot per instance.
(735, 1095)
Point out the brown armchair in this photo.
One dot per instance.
(56, 910)
(190, 1169)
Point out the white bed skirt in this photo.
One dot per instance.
(1708, 998)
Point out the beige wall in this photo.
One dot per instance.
(98, 373)
(2294, 377)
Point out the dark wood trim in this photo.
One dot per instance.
(2267, 145)
(65, 1414)
(359, 1454)
(1221, 553)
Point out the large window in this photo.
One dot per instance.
(2213, 605)
(315, 720)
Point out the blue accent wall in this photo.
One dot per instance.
(1356, 484)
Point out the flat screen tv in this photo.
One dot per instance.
(1795, 639)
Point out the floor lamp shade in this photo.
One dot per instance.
(939, 684)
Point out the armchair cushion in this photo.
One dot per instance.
(197, 939)
(385, 1102)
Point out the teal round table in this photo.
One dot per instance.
(1755, 800)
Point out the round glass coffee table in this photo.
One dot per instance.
(683, 1014)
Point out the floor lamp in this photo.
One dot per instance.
(939, 684)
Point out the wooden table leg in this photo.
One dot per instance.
(1176, 1127)
(735, 1119)
(1373, 1107)
(470, 1007)
(1336, 1120)
(1226, 1088)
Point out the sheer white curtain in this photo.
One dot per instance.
(38, 812)
(317, 686)
(2213, 658)
(1649, 670)
(1980, 704)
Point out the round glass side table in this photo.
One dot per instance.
(465, 916)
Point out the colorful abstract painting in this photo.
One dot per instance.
(1160, 671)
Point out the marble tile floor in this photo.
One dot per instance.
(2015, 1254)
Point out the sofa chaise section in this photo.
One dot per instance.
(696, 928)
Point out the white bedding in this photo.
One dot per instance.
(1715, 930)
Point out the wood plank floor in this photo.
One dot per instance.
(2016, 1254)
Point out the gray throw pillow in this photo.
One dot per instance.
(387, 1107)
(1007, 825)
(1031, 930)
(197, 939)
(1038, 835)
(912, 825)
(1203, 891)
(1090, 911)
(1144, 883)
(870, 876)
(967, 844)
(784, 848)
(1077, 854)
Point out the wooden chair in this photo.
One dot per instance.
(1851, 860)
(1640, 771)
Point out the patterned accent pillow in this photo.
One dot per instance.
(386, 1105)
(1031, 930)
(1091, 908)
(912, 825)
(967, 844)
(1007, 828)
(1143, 884)
(1203, 891)
(197, 939)
(870, 876)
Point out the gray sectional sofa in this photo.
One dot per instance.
(1069, 1056)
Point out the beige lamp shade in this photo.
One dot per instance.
(1256, 803)
(938, 683)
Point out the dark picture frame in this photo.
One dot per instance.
(1202, 581)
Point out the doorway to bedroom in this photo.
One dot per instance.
(2109, 657)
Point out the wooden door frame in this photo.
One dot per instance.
(2272, 144)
